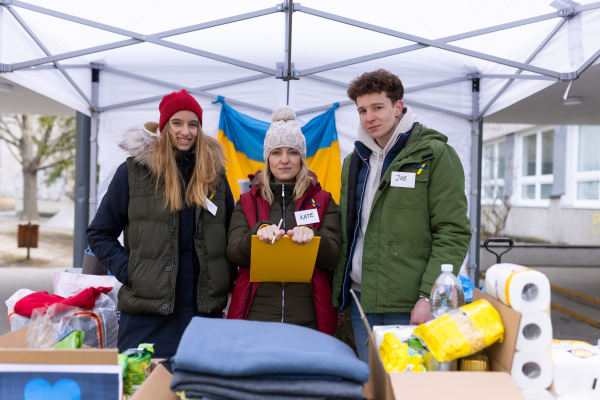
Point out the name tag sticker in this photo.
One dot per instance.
(307, 217)
(210, 206)
(403, 179)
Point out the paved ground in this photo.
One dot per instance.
(55, 253)
(584, 282)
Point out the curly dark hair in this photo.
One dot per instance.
(376, 82)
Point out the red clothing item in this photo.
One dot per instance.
(85, 299)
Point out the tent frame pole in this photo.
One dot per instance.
(432, 43)
(47, 52)
(199, 91)
(529, 59)
(93, 175)
(82, 187)
(475, 193)
(407, 101)
(140, 38)
(414, 47)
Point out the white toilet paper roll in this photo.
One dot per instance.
(532, 370)
(577, 370)
(535, 332)
(522, 288)
(537, 394)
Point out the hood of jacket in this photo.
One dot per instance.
(139, 142)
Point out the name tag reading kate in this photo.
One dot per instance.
(307, 217)
(211, 207)
(403, 179)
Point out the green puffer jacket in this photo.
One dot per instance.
(411, 231)
(151, 237)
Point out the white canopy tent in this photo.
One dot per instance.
(459, 61)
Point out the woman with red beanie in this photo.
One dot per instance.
(172, 202)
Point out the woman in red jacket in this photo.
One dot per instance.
(283, 187)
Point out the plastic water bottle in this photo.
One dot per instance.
(447, 293)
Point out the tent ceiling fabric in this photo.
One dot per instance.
(258, 43)
(146, 49)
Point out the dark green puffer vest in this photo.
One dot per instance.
(151, 237)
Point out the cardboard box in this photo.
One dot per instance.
(156, 386)
(494, 385)
(94, 373)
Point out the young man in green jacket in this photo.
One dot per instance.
(404, 210)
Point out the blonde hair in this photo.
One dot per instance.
(209, 163)
(303, 182)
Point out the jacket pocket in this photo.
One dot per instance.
(414, 198)
(406, 263)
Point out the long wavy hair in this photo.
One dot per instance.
(303, 182)
(209, 163)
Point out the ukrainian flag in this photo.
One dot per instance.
(243, 137)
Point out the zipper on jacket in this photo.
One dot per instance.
(283, 218)
(172, 256)
(351, 254)
(283, 203)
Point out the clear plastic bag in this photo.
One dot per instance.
(462, 332)
(17, 321)
(48, 327)
(99, 324)
(467, 286)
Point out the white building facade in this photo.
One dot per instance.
(549, 178)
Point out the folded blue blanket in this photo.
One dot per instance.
(249, 388)
(250, 348)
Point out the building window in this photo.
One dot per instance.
(493, 172)
(537, 166)
(588, 163)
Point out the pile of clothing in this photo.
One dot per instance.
(91, 311)
(247, 360)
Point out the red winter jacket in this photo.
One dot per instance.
(244, 291)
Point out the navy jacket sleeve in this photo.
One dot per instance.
(229, 207)
(110, 220)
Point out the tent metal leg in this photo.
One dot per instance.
(82, 187)
(94, 145)
(475, 193)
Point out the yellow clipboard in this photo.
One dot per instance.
(283, 261)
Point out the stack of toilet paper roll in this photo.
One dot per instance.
(528, 292)
(576, 370)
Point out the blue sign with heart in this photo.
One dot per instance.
(37, 385)
(41, 389)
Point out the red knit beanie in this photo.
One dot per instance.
(177, 101)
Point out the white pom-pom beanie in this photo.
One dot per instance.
(284, 132)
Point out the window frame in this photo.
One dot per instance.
(574, 176)
(494, 182)
(538, 179)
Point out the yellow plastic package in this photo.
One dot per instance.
(398, 356)
(462, 332)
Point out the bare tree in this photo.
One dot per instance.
(38, 144)
(495, 216)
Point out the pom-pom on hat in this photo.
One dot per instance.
(284, 132)
(175, 102)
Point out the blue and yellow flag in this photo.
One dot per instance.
(243, 137)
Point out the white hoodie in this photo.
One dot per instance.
(407, 119)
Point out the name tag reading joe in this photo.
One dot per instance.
(307, 217)
(403, 179)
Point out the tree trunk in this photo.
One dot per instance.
(30, 209)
